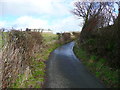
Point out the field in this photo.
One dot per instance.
(2, 38)
(48, 37)
(0, 41)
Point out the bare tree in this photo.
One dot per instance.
(118, 3)
(95, 15)
(118, 18)
(88, 10)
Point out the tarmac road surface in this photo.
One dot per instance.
(64, 70)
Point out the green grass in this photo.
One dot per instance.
(98, 66)
(48, 37)
(0, 41)
(1, 38)
(38, 65)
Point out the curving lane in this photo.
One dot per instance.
(64, 70)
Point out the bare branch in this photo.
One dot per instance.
(88, 10)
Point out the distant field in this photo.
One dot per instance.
(48, 37)
(2, 41)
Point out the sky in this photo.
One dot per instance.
(47, 14)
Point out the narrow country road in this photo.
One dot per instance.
(64, 70)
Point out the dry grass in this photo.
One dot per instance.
(18, 53)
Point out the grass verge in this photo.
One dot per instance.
(36, 74)
(98, 66)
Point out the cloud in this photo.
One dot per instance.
(61, 25)
(52, 14)
(29, 22)
(31, 7)
(67, 24)
(2, 24)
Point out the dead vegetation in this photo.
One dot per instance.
(76, 34)
(65, 37)
(18, 53)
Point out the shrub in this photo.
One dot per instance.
(104, 42)
(18, 53)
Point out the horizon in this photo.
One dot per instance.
(48, 14)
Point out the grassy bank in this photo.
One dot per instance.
(37, 74)
(98, 66)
